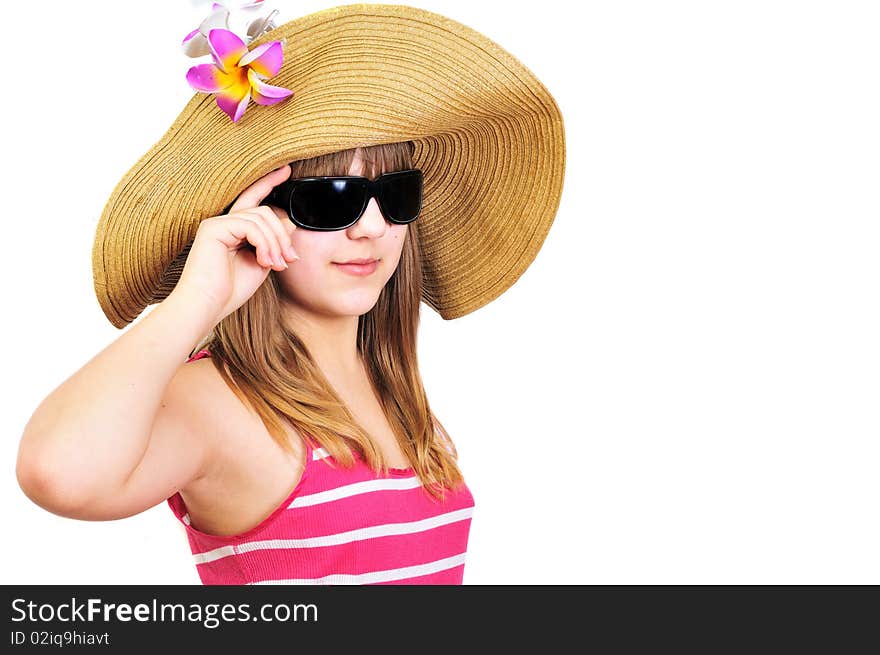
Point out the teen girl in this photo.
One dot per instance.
(295, 442)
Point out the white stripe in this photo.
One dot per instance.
(377, 576)
(185, 518)
(320, 453)
(384, 530)
(347, 490)
(387, 529)
(211, 555)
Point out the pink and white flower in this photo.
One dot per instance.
(195, 44)
(237, 74)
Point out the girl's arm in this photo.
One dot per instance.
(118, 436)
(80, 451)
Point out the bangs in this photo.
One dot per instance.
(378, 159)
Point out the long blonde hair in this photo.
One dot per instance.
(269, 368)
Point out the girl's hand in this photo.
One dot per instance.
(233, 253)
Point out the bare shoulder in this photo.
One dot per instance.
(208, 405)
(213, 405)
(221, 416)
(200, 383)
(246, 473)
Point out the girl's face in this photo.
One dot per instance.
(317, 282)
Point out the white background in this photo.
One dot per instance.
(682, 388)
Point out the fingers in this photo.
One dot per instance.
(253, 195)
(275, 248)
(238, 232)
(271, 235)
(281, 228)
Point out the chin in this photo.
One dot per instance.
(356, 303)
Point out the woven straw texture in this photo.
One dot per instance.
(489, 138)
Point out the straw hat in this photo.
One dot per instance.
(488, 137)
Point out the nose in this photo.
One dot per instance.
(371, 223)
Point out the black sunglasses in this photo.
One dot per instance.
(336, 203)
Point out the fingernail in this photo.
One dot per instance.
(280, 261)
(291, 253)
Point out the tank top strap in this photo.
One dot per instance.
(313, 451)
(204, 352)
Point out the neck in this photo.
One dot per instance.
(332, 343)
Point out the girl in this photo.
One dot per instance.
(296, 444)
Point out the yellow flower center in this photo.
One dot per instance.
(240, 82)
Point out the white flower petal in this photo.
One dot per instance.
(260, 26)
(197, 46)
(217, 19)
(248, 6)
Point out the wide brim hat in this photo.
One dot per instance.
(488, 137)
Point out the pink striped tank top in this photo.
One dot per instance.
(342, 526)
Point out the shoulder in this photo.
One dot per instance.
(196, 376)
(205, 404)
(232, 431)
(199, 388)
(244, 464)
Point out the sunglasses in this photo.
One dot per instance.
(336, 203)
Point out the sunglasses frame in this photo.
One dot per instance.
(281, 195)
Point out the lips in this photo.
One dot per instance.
(353, 268)
(358, 261)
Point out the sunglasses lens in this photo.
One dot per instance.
(401, 196)
(333, 204)
(326, 204)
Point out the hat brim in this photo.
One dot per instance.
(488, 136)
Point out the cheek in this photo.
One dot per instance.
(398, 236)
(310, 271)
(312, 247)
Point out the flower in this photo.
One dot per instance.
(237, 74)
(195, 44)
